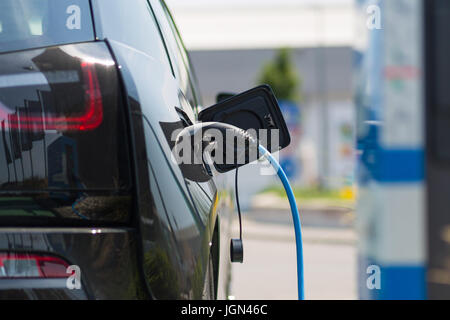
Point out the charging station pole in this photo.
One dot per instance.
(389, 97)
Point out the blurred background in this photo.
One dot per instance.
(303, 49)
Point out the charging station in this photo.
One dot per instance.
(403, 127)
(389, 99)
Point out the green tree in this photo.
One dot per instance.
(281, 75)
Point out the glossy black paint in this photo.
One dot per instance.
(178, 217)
(43, 171)
(169, 245)
(106, 256)
(177, 225)
(105, 244)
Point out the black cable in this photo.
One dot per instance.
(237, 202)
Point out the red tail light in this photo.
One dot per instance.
(88, 119)
(20, 265)
(64, 136)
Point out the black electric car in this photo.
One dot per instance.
(91, 206)
(92, 203)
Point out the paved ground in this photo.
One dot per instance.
(269, 268)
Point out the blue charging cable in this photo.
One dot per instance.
(295, 216)
(192, 130)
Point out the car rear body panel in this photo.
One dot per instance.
(107, 197)
(105, 256)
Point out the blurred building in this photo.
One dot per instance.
(250, 24)
(229, 42)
